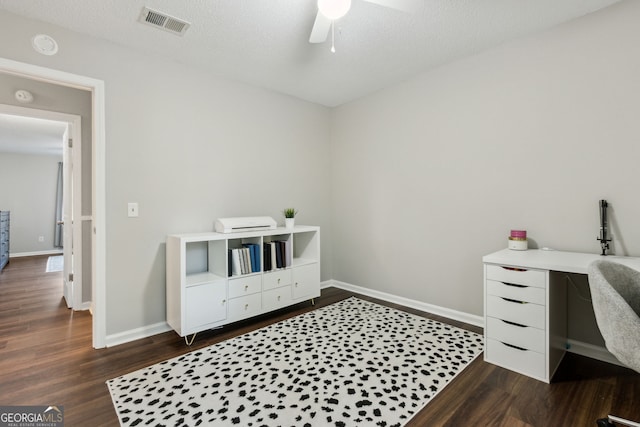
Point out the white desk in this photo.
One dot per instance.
(525, 310)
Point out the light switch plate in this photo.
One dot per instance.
(132, 210)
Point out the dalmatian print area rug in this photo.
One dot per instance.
(352, 363)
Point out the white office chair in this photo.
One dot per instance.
(615, 293)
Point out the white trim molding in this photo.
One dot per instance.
(460, 316)
(136, 334)
(592, 351)
(49, 252)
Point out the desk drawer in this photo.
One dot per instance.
(276, 298)
(245, 286)
(518, 292)
(243, 307)
(537, 278)
(523, 313)
(277, 278)
(526, 337)
(527, 362)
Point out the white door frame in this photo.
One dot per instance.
(98, 243)
(72, 156)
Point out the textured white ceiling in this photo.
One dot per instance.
(26, 135)
(265, 42)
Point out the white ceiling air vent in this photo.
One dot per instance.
(163, 21)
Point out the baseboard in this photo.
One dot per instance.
(86, 305)
(592, 351)
(418, 305)
(22, 254)
(136, 334)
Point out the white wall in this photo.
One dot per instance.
(189, 148)
(430, 175)
(29, 192)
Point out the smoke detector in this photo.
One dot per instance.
(44, 44)
(24, 96)
(163, 21)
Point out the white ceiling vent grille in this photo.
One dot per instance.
(163, 21)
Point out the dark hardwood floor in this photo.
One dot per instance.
(46, 358)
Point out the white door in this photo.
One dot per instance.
(67, 219)
(72, 218)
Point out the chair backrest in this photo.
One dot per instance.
(615, 293)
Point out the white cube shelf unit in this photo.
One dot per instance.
(202, 294)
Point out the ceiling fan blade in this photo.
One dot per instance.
(320, 29)
(403, 5)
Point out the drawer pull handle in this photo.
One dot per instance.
(278, 297)
(278, 281)
(246, 287)
(513, 323)
(514, 346)
(246, 307)
(514, 268)
(514, 300)
(514, 285)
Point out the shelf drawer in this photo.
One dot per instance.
(276, 298)
(521, 336)
(517, 292)
(537, 278)
(276, 279)
(243, 307)
(526, 313)
(242, 286)
(527, 362)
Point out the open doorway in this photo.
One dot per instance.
(93, 177)
(35, 144)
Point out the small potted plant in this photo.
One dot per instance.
(289, 217)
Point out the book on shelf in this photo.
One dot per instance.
(278, 245)
(273, 255)
(256, 255)
(243, 261)
(236, 265)
(266, 255)
(254, 252)
(247, 260)
(246, 249)
(287, 253)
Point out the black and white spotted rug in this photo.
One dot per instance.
(352, 363)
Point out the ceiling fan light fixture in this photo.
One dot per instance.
(334, 9)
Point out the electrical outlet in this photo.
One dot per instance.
(132, 209)
(40, 239)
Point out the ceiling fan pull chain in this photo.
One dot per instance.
(333, 44)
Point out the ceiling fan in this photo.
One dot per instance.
(330, 10)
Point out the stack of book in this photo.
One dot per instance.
(244, 260)
(276, 254)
